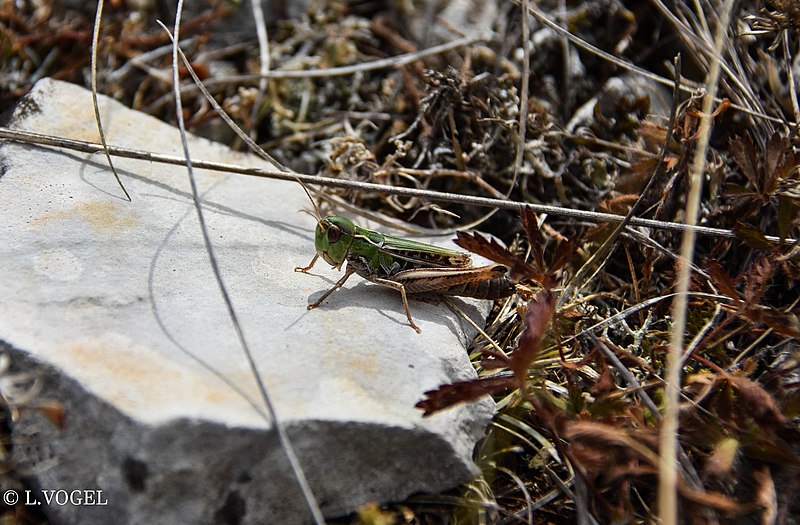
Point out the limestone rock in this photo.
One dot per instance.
(115, 304)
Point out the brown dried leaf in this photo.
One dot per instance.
(766, 495)
(776, 146)
(619, 473)
(638, 175)
(653, 134)
(540, 312)
(591, 458)
(627, 358)
(598, 433)
(564, 252)
(447, 396)
(751, 236)
(785, 323)
(787, 214)
(53, 410)
(534, 235)
(519, 270)
(489, 248)
(721, 278)
(605, 383)
(787, 169)
(602, 436)
(723, 106)
(757, 403)
(619, 205)
(744, 155)
(757, 278)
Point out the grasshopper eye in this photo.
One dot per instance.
(334, 234)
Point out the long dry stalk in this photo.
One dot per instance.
(668, 464)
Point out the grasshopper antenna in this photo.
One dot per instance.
(308, 212)
(313, 203)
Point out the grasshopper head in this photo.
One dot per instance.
(333, 238)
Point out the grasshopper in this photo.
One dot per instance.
(410, 267)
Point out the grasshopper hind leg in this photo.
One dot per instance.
(402, 289)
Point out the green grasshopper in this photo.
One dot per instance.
(410, 267)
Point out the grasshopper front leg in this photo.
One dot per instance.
(347, 273)
(307, 268)
(402, 289)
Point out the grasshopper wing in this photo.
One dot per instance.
(485, 282)
(415, 254)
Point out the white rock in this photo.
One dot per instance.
(116, 303)
(433, 22)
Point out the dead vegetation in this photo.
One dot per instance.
(579, 379)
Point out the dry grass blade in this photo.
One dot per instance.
(95, 44)
(522, 125)
(528, 511)
(668, 465)
(228, 120)
(790, 75)
(627, 374)
(712, 52)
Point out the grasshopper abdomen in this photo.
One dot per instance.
(490, 289)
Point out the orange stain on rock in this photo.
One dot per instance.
(135, 375)
(102, 216)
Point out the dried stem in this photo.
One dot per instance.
(263, 60)
(592, 216)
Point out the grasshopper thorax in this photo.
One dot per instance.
(333, 238)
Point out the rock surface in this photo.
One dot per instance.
(432, 22)
(114, 302)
